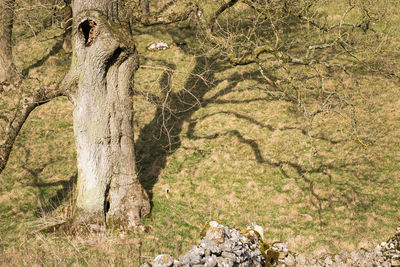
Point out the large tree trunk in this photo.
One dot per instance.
(7, 68)
(104, 62)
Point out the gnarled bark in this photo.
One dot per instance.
(145, 9)
(67, 25)
(8, 71)
(104, 62)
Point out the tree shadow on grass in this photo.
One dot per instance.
(54, 50)
(47, 205)
(61, 195)
(161, 137)
(320, 201)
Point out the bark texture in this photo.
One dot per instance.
(67, 23)
(104, 62)
(109, 8)
(7, 68)
(145, 9)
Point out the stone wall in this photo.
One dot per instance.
(222, 246)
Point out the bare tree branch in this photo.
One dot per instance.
(16, 117)
(147, 19)
(220, 10)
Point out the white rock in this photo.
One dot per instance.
(258, 228)
(214, 224)
(163, 260)
(301, 260)
(160, 45)
(328, 261)
(290, 261)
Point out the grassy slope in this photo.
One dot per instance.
(222, 164)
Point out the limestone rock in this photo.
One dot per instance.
(301, 260)
(290, 260)
(163, 260)
(257, 228)
(215, 233)
(160, 45)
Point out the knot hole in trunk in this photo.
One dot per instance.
(88, 29)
